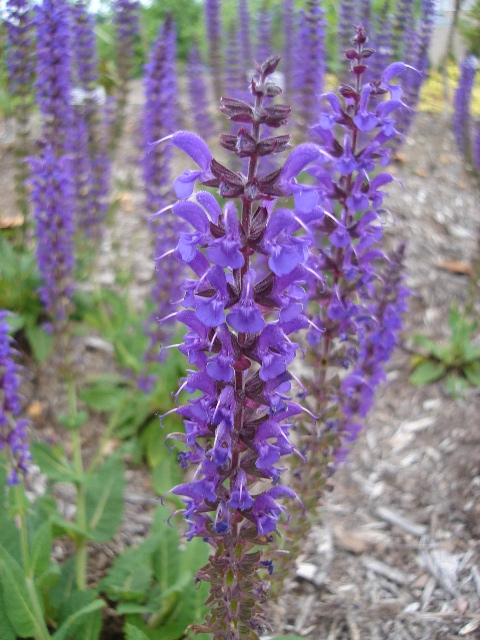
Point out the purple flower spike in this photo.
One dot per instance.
(13, 431)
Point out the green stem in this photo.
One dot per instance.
(81, 556)
(41, 631)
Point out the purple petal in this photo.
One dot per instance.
(183, 185)
(300, 157)
(192, 213)
(194, 146)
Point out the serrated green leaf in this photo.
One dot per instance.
(64, 587)
(472, 354)
(104, 499)
(41, 549)
(16, 597)
(165, 558)
(40, 341)
(52, 462)
(426, 372)
(153, 443)
(130, 577)
(79, 618)
(7, 631)
(60, 527)
(105, 396)
(134, 633)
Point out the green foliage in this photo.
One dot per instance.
(132, 409)
(458, 360)
(470, 28)
(152, 584)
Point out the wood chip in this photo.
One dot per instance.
(443, 566)
(385, 570)
(398, 520)
(353, 627)
(11, 222)
(470, 627)
(454, 266)
(476, 578)
(304, 613)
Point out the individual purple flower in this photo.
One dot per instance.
(52, 197)
(13, 430)
(198, 93)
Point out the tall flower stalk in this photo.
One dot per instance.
(21, 72)
(158, 121)
(213, 28)
(13, 429)
(198, 93)
(238, 339)
(89, 140)
(357, 303)
(126, 23)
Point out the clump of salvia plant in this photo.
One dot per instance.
(213, 29)
(198, 94)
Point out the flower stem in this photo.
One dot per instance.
(41, 631)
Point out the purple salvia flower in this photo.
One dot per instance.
(20, 61)
(85, 52)
(417, 57)
(289, 38)
(214, 37)
(377, 340)
(13, 430)
(54, 70)
(315, 61)
(244, 39)
(198, 92)
(159, 117)
(126, 23)
(264, 33)
(476, 146)
(21, 71)
(346, 18)
(52, 197)
(237, 425)
(462, 118)
(235, 82)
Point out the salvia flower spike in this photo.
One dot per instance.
(247, 297)
(13, 429)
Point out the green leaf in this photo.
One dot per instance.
(456, 386)
(73, 423)
(79, 618)
(426, 372)
(472, 372)
(104, 499)
(64, 587)
(134, 633)
(7, 632)
(104, 396)
(61, 527)
(41, 549)
(40, 341)
(16, 598)
(52, 462)
(153, 442)
(165, 559)
(127, 608)
(130, 577)
(165, 476)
